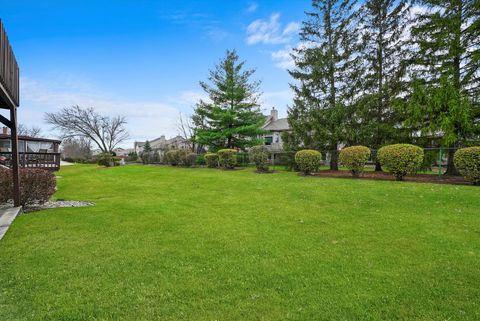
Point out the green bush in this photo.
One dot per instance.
(259, 155)
(227, 158)
(200, 160)
(429, 159)
(400, 159)
(308, 160)
(211, 159)
(354, 158)
(467, 161)
(105, 159)
(172, 157)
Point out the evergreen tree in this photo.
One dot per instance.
(147, 148)
(383, 22)
(326, 72)
(232, 117)
(445, 98)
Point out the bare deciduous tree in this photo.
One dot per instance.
(24, 130)
(77, 148)
(75, 122)
(186, 130)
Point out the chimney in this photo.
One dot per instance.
(4, 130)
(274, 114)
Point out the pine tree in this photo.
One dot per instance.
(446, 86)
(383, 54)
(232, 117)
(326, 72)
(147, 148)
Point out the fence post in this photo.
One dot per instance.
(440, 158)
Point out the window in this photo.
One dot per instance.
(5, 145)
(268, 140)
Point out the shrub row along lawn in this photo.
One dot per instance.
(166, 243)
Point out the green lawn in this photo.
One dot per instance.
(201, 244)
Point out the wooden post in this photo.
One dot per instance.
(15, 167)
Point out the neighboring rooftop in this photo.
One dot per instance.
(273, 123)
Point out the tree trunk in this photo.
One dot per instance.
(378, 167)
(451, 169)
(334, 160)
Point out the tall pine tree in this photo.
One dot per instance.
(446, 87)
(326, 72)
(232, 118)
(383, 81)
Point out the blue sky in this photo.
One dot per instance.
(144, 59)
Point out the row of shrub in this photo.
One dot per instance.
(36, 185)
(224, 158)
(398, 159)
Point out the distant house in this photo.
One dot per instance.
(161, 144)
(122, 152)
(275, 127)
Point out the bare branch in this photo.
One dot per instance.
(76, 122)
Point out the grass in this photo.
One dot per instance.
(201, 244)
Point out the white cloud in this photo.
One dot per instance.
(283, 58)
(146, 119)
(191, 97)
(252, 7)
(270, 31)
(291, 28)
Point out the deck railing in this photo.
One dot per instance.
(9, 73)
(33, 160)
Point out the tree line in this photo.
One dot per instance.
(383, 73)
(372, 73)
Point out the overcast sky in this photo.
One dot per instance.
(144, 59)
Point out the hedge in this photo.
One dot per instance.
(400, 159)
(36, 185)
(227, 158)
(467, 162)
(172, 157)
(354, 158)
(308, 160)
(211, 159)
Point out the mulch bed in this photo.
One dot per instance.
(381, 176)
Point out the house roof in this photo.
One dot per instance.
(161, 141)
(280, 124)
(35, 139)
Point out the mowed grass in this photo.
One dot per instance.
(200, 244)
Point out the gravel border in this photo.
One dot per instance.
(53, 204)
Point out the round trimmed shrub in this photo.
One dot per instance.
(227, 158)
(354, 158)
(172, 157)
(400, 159)
(308, 160)
(259, 155)
(105, 159)
(211, 159)
(467, 161)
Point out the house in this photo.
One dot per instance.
(33, 152)
(122, 152)
(275, 127)
(162, 145)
